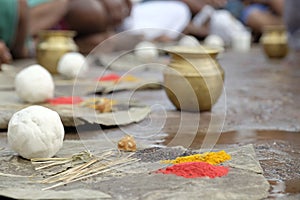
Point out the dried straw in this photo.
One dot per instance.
(83, 165)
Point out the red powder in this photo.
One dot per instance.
(65, 100)
(195, 169)
(109, 77)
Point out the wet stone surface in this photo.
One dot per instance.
(260, 94)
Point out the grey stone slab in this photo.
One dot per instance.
(136, 181)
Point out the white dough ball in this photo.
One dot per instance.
(146, 51)
(72, 64)
(214, 41)
(189, 40)
(35, 132)
(34, 84)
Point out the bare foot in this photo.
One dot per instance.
(5, 56)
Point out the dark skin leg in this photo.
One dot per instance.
(257, 20)
(5, 56)
(198, 32)
(95, 21)
(18, 49)
(87, 43)
(47, 15)
(87, 17)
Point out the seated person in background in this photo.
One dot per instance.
(201, 30)
(93, 20)
(212, 19)
(13, 29)
(260, 13)
(292, 22)
(185, 16)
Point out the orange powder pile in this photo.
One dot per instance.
(213, 158)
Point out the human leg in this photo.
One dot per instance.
(18, 48)
(87, 17)
(258, 16)
(87, 43)
(46, 15)
(13, 25)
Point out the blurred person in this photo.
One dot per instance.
(256, 14)
(194, 8)
(13, 29)
(260, 13)
(93, 20)
(212, 19)
(292, 22)
(158, 20)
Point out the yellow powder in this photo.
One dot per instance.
(213, 158)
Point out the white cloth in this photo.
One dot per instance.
(222, 23)
(156, 18)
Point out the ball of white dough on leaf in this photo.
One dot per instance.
(35, 132)
(146, 51)
(34, 84)
(214, 41)
(72, 64)
(189, 40)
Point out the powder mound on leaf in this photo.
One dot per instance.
(213, 158)
(195, 169)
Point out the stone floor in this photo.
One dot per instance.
(259, 106)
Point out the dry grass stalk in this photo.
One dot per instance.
(83, 165)
(13, 175)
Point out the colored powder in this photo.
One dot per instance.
(129, 78)
(195, 169)
(118, 78)
(64, 100)
(213, 158)
(109, 77)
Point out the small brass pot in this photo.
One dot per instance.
(194, 79)
(52, 45)
(274, 41)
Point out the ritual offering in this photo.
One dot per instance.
(34, 84)
(195, 169)
(194, 79)
(188, 40)
(35, 132)
(110, 77)
(274, 41)
(102, 105)
(72, 64)
(72, 100)
(214, 41)
(101, 171)
(146, 51)
(52, 45)
(198, 165)
(127, 143)
(213, 158)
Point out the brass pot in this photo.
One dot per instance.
(274, 41)
(194, 79)
(52, 45)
